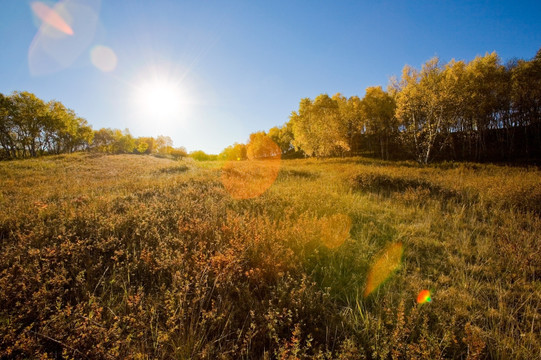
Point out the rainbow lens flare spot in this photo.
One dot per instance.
(424, 297)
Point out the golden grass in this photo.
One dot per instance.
(139, 257)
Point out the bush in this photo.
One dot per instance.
(178, 153)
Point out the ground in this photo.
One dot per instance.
(132, 256)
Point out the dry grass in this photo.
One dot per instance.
(139, 257)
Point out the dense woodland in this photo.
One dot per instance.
(480, 110)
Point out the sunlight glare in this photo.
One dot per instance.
(160, 99)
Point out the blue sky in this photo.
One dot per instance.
(241, 66)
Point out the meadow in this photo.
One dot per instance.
(138, 257)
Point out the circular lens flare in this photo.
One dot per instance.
(335, 230)
(251, 178)
(103, 58)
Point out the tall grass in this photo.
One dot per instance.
(139, 257)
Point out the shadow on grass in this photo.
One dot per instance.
(174, 170)
(387, 185)
(297, 174)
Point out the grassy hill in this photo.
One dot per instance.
(138, 257)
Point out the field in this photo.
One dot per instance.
(139, 257)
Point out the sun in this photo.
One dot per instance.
(159, 99)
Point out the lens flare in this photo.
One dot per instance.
(251, 178)
(335, 230)
(384, 266)
(50, 17)
(67, 30)
(424, 297)
(103, 58)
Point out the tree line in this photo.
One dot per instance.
(114, 141)
(260, 146)
(478, 110)
(31, 127)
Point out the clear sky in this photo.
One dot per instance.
(208, 73)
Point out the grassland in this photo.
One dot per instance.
(138, 257)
